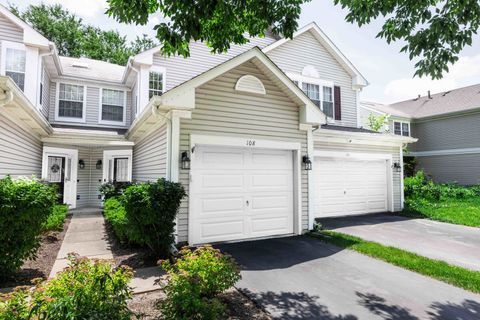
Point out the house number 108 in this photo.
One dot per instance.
(251, 143)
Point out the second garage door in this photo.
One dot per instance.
(350, 186)
(240, 193)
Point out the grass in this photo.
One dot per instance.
(440, 270)
(57, 218)
(457, 211)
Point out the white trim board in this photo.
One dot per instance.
(444, 152)
(243, 142)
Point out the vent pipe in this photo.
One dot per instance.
(429, 95)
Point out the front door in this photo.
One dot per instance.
(56, 174)
(118, 166)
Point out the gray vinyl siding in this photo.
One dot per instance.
(150, 156)
(448, 133)
(9, 31)
(220, 110)
(92, 108)
(180, 69)
(89, 178)
(305, 50)
(20, 151)
(45, 95)
(461, 168)
(394, 151)
(134, 102)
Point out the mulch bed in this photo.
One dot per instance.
(239, 307)
(46, 256)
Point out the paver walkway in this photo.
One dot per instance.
(455, 244)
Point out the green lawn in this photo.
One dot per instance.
(457, 276)
(458, 211)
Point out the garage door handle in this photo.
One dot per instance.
(344, 192)
(248, 203)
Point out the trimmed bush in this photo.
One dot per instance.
(25, 207)
(56, 219)
(113, 189)
(151, 209)
(117, 216)
(194, 282)
(87, 289)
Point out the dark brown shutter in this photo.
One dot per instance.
(338, 103)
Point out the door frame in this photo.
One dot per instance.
(247, 142)
(357, 156)
(70, 184)
(112, 154)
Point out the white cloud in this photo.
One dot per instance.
(83, 8)
(153, 21)
(464, 72)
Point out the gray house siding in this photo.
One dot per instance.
(305, 50)
(461, 168)
(150, 156)
(20, 151)
(394, 151)
(9, 31)
(89, 178)
(220, 110)
(45, 95)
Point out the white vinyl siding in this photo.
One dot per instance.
(305, 50)
(150, 156)
(45, 94)
(20, 151)
(9, 31)
(89, 178)
(220, 110)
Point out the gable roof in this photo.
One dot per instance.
(30, 35)
(358, 79)
(383, 108)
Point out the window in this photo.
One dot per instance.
(120, 170)
(327, 101)
(15, 66)
(155, 84)
(312, 91)
(321, 95)
(401, 128)
(113, 105)
(70, 101)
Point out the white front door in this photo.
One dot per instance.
(350, 186)
(240, 193)
(117, 165)
(59, 166)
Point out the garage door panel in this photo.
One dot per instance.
(221, 206)
(271, 181)
(220, 159)
(269, 226)
(221, 230)
(219, 181)
(271, 202)
(271, 160)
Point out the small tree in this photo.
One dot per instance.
(377, 123)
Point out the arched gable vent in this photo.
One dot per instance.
(249, 83)
(310, 71)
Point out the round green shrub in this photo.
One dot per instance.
(25, 205)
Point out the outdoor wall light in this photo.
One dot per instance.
(185, 161)
(81, 164)
(98, 165)
(397, 167)
(307, 162)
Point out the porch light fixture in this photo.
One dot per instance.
(396, 167)
(98, 165)
(185, 161)
(81, 164)
(307, 162)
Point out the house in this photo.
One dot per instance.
(446, 125)
(240, 131)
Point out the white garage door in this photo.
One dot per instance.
(349, 186)
(240, 193)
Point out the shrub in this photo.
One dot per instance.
(117, 216)
(87, 289)
(113, 189)
(56, 219)
(151, 210)
(194, 282)
(25, 207)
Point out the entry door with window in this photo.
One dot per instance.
(118, 165)
(56, 174)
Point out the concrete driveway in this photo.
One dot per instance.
(304, 278)
(455, 244)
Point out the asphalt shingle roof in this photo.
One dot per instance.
(92, 69)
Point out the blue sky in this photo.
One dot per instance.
(389, 72)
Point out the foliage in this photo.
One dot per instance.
(195, 280)
(56, 219)
(74, 38)
(217, 23)
(409, 164)
(117, 216)
(87, 289)
(113, 189)
(151, 210)
(25, 207)
(434, 31)
(377, 123)
(440, 270)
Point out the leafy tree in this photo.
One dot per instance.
(434, 31)
(377, 123)
(217, 23)
(74, 38)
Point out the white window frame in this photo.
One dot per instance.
(57, 103)
(321, 83)
(401, 128)
(108, 158)
(16, 46)
(157, 69)
(100, 107)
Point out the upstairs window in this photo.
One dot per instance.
(71, 102)
(113, 106)
(155, 84)
(313, 92)
(15, 66)
(401, 128)
(321, 95)
(327, 101)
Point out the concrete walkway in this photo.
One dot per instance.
(455, 244)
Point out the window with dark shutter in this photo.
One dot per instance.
(338, 103)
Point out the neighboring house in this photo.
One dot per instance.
(239, 130)
(446, 125)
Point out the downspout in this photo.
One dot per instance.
(169, 139)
